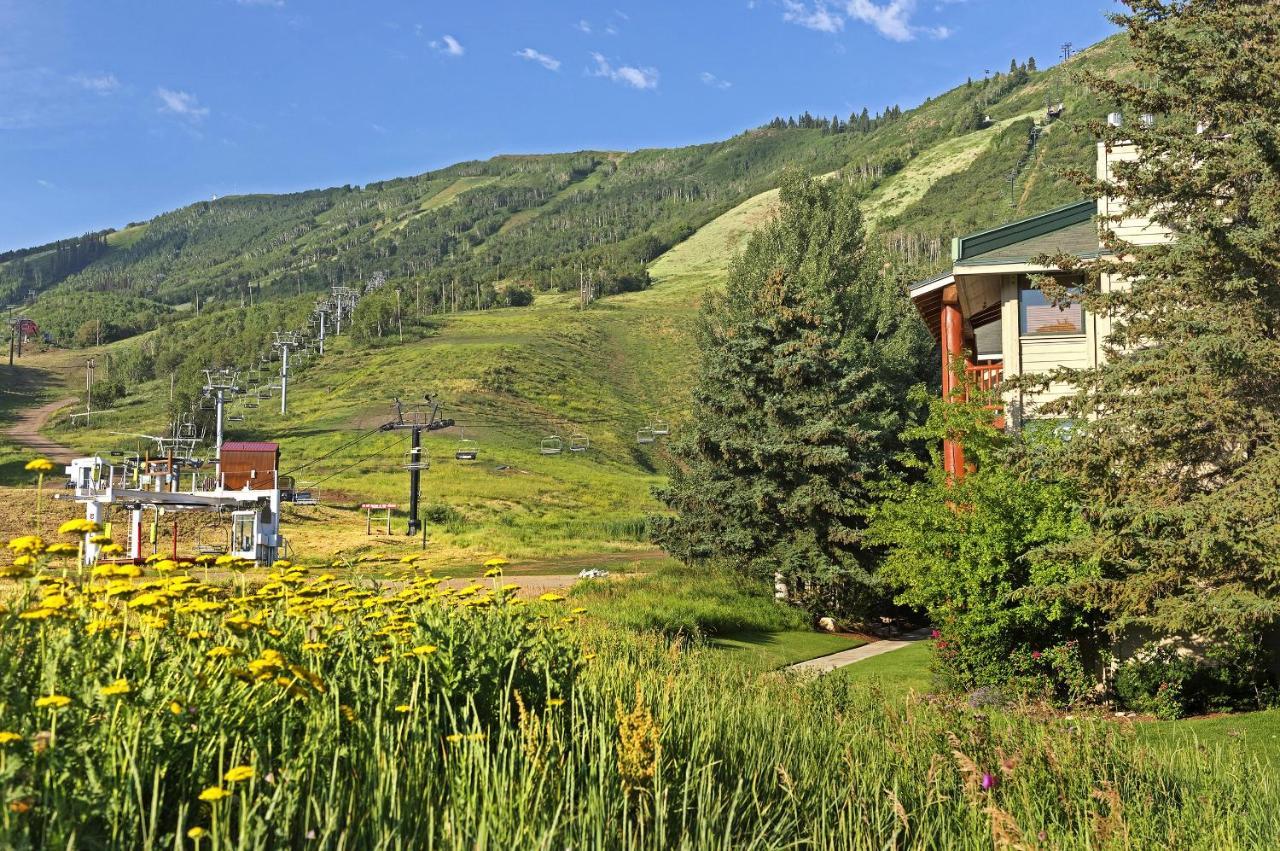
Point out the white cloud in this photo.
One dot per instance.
(548, 62)
(891, 18)
(637, 78)
(818, 18)
(448, 45)
(102, 84)
(713, 81)
(182, 104)
(47, 184)
(584, 26)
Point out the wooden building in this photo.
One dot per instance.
(250, 465)
(993, 323)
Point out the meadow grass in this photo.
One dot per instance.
(690, 601)
(163, 713)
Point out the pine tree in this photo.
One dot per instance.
(1031, 64)
(807, 359)
(1176, 444)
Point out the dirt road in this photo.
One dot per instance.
(26, 432)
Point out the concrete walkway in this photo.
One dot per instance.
(826, 664)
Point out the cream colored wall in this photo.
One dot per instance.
(1135, 229)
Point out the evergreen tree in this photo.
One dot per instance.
(807, 359)
(1031, 64)
(1176, 445)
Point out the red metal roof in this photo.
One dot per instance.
(249, 446)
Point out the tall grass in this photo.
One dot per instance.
(526, 728)
(678, 600)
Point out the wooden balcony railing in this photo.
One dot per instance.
(984, 377)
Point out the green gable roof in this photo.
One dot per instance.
(1068, 229)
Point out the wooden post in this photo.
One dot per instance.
(952, 348)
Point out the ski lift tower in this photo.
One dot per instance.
(344, 304)
(218, 385)
(417, 421)
(284, 341)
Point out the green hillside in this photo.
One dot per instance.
(652, 229)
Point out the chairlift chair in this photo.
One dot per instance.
(661, 427)
(551, 445)
(235, 418)
(466, 450)
(579, 443)
(645, 435)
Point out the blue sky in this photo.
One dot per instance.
(115, 111)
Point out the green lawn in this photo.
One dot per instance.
(897, 673)
(1257, 733)
(771, 650)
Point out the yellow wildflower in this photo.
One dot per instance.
(197, 833)
(36, 614)
(404, 707)
(56, 701)
(381, 659)
(7, 737)
(240, 772)
(116, 689)
(551, 597)
(314, 645)
(424, 650)
(39, 465)
(214, 794)
(78, 526)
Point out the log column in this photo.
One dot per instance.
(952, 348)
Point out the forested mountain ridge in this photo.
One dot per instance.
(458, 237)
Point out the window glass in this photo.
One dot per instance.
(1038, 315)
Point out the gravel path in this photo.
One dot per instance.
(26, 432)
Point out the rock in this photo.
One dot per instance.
(826, 624)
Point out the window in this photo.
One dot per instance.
(1040, 317)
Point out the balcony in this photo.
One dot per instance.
(985, 378)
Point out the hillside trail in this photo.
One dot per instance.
(26, 432)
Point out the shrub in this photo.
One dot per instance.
(966, 552)
(1227, 675)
